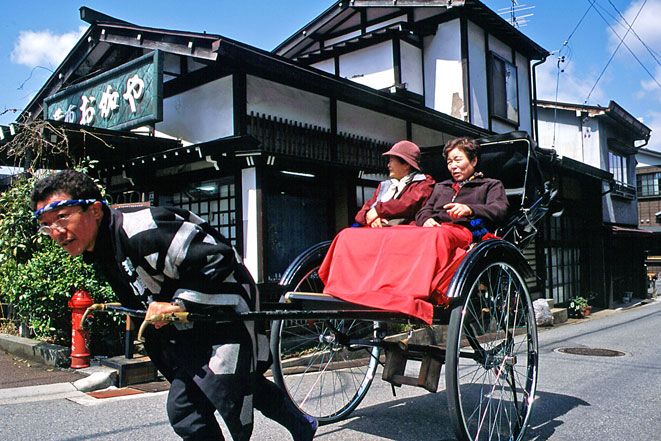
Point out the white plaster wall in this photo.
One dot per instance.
(444, 90)
(411, 67)
(250, 215)
(371, 66)
(270, 98)
(478, 76)
(568, 139)
(201, 114)
(424, 136)
(325, 65)
(357, 120)
(500, 48)
(523, 78)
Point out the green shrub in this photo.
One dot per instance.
(38, 277)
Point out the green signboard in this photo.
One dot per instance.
(125, 97)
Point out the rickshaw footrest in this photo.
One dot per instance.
(430, 367)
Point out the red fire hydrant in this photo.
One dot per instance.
(80, 354)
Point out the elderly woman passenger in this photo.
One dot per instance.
(397, 199)
(468, 199)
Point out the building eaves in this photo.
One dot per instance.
(294, 74)
(109, 30)
(252, 60)
(585, 169)
(614, 112)
(474, 10)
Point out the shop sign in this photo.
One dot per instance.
(125, 97)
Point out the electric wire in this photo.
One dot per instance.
(626, 45)
(615, 52)
(651, 52)
(562, 59)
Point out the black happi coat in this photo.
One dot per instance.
(163, 254)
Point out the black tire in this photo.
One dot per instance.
(325, 366)
(492, 354)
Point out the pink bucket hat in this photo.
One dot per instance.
(407, 151)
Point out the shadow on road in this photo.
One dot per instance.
(400, 419)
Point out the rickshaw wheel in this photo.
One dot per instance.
(492, 355)
(325, 366)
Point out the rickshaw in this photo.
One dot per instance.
(328, 351)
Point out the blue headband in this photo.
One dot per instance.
(66, 203)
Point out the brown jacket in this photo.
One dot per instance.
(485, 196)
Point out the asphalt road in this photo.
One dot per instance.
(579, 397)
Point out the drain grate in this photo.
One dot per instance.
(594, 352)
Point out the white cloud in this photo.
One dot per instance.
(44, 48)
(654, 123)
(573, 87)
(646, 27)
(651, 87)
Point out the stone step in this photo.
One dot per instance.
(559, 315)
(551, 303)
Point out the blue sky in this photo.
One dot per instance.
(36, 35)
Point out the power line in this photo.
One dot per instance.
(615, 52)
(652, 53)
(622, 42)
(579, 22)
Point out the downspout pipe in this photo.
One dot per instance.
(534, 97)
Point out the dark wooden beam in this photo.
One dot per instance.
(240, 103)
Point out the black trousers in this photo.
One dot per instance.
(213, 369)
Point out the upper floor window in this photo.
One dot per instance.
(617, 164)
(504, 90)
(649, 184)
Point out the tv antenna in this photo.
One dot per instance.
(514, 13)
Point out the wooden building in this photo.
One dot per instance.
(279, 149)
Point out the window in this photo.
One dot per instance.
(617, 164)
(504, 90)
(649, 184)
(363, 194)
(213, 201)
(563, 259)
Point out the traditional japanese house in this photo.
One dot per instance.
(596, 248)
(278, 149)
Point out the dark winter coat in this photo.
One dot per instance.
(485, 196)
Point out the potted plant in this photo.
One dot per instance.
(579, 307)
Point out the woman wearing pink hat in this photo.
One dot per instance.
(398, 199)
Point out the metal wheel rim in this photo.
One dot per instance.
(341, 378)
(498, 413)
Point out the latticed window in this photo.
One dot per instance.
(213, 201)
(617, 164)
(563, 259)
(649, 184)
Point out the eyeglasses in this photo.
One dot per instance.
(60, 224)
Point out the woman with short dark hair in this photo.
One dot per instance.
(467, 200)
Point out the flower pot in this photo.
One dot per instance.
(587, 310)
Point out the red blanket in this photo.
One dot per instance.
(401, 268)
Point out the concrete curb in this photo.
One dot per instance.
(31, 394)
(37, 351)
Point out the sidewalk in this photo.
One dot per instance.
(18, 372)
(23, 380)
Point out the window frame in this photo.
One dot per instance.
(645, 181)
(493, 59)
(621, 173)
